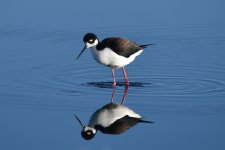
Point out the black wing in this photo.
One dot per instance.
(121, 46)
(119, 126)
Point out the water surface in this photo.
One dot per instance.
(178, 83)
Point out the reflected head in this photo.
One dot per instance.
(88, 133)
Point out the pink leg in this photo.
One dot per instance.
(125, 76)
(124, 94)
(114, 77)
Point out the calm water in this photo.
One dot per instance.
(179, 83)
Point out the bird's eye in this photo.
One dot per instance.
(90, 41)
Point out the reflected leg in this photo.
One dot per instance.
(114, 77)
(124, 94)
(113, 93)
(125, 77)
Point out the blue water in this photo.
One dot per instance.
(178, 83)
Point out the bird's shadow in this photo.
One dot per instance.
(110, 84)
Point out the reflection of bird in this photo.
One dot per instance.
(111, 119)
(113, 52)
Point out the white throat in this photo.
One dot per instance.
(90, 45)
(86, 128)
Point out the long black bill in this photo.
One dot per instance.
(81, 52)
(79, 121)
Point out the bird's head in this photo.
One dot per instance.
(87, 132)
(90, 40)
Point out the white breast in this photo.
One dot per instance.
(106, 117)
(111, 59)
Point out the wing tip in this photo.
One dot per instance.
(146, 45)
(145, 121)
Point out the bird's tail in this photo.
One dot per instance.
(146, 45)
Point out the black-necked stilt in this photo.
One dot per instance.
(114, 52)
(110, 119)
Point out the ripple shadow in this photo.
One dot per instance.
(109, 84)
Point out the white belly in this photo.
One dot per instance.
(106, 117)
(111, 59)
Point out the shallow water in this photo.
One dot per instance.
(178, 83)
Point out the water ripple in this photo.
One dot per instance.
(185, 62)
(180, 86)
(171, 85)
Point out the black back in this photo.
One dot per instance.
(120, 46)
